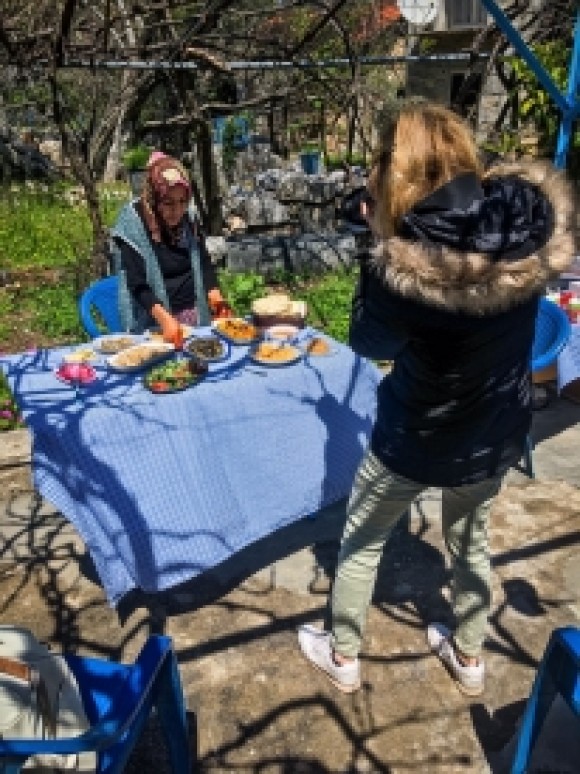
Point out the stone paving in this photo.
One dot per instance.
(259, 707)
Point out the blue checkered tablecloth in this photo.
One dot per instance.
(163, 487)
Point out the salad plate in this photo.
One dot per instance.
(174, 375)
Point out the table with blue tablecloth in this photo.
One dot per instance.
(164, 487)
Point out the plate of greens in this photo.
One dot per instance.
(174, 375)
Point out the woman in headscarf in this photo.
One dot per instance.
(165, 271)
(450, 292)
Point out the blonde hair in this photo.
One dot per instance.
(426, 147)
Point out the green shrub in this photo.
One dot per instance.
(241, 289)
(136, 157)
(338, 160)
(9, 415)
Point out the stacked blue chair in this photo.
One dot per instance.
(101, 296)
(118, 699)
(551, 336)
(559, 673)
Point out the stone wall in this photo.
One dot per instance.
(311, 252)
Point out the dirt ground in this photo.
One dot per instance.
(257, 707)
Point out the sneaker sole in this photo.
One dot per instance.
(341, 686)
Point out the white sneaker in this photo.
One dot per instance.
(469, 679)
(315, 645)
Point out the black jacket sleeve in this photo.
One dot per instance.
(375, 331)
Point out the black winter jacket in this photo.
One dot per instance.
(452, 300)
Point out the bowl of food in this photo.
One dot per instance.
(207, 348)
(282, 332)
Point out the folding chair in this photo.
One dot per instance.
(101, 296)
(551, 336)
(559, 673)
(118, 699)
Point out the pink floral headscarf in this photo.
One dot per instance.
(163, 174)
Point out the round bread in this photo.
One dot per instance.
(275, 304)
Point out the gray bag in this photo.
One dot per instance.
(39, 699)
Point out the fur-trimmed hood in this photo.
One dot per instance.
(477, 281)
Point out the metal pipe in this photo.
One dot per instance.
(567, 123)
(527, 55)
(139, 64)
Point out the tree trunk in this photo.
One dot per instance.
(213, 203)
(114, 155)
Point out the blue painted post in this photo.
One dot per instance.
(526, 54)
(567, 124)
(569, 105)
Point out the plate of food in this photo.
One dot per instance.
(236, 330)
(113, 343)
(139, 356)
(154, 334)
(275, 354)
(81, 355)
(318, 346)
(174, 375)
(75, 374)
(210, 349)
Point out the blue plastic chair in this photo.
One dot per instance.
(551, 336)
(559, 673)
(103, 296)
(118, 699)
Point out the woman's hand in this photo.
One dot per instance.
(217, 305)
(170, 327)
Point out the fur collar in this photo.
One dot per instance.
(472, 282)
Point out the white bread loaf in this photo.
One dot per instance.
(278, 305)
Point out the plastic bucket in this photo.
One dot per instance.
(310, 162)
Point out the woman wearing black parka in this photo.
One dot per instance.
(450, 293)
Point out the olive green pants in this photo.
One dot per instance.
(379, 498)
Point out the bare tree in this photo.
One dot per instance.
(104, 60)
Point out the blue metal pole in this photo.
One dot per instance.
(529, 58)
(569, 116)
